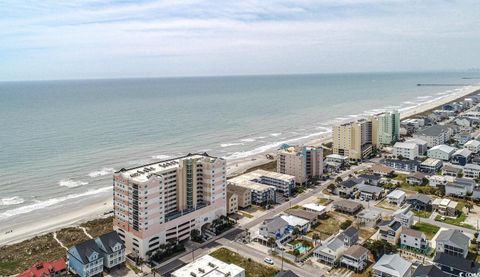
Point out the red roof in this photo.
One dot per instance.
(44, 268)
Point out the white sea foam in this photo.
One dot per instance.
(8, 201)
(260, 137)
(248, 140)
(104, 171)
(230, 144)
(49, 202)
(161, 157)
(275, 134)
(69, 183)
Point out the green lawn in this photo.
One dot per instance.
(429, 229)
(424, 214)
(458, 221)
(324, 201)
(252, 268)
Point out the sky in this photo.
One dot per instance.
(55, 39)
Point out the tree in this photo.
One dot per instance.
(195, 235)
(469, 206)
(346, 224)
(331, 187)
(271, 242)
(295, 231)
(380, 247)
(338, 179)
(296, 252)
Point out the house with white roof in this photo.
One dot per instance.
(296, 222)
(441, 152)
(439, 180)
(421, 145)
(407, 150)
(461, 156)
(396, 197)
(461, 187)
(473, 145)
(445, 206)
(208, 266)
(471, 171)
(392, 266)
(315, 208)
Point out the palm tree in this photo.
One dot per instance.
(469, 206)
(315, 238)
(271, 242)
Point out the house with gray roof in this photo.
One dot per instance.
(451, 170)
(390, 231)
(368, 192)
(455, 265)
(393, 266)
(420, 201)
(369, 218)
(461, 187)
(429, 271)
(461, 157)
(347, 206)
(414, 240)
(355, 258)
(471, 171)
(112, 249)
(348, 187)
(85, 259)
(330, 252)
(349, 236)
(276, 228)
(453, 242)
(434, 135)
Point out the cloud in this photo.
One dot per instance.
(105, 39)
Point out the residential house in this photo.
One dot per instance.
(429, 271)
(434, 135)
(439, 180)
(456, 266)
(244, 195)
(232, 202)
(349, 236)
(404, 216)
(451, 170)
(392, 265)
(461, 187)
(476, 194)
(336, 161)
(208, 266)
(461, 157)
(396, 197)
(276, 228)
(414, 240)
(420, 201)
(369, 218)
(112, 249)
(318, 209)
(473, 145)
(406, 150)
(311, 217)
(347, 206)
(431, 165)
(403, 165)
(355, 258)
(381, 170)
(462, 137)
(85, 259)
(441, 152)
(371, 179)
(453, 242)
(297, 222)
(55, 268)
(330, 252)
(463, 121)
(390, 231)
(348, 187)
(416, 178)
(471, 171)
(368, 192)
(445, 206)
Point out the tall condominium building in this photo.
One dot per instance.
(385, 128)
(303, 162)
(163, 201)
(353, 139)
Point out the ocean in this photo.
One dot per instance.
(62, 140)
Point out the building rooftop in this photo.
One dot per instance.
(455, 236)
(429, 271)
(259, 174)
(413, 233)
(356, 251)
(208, 266)
(472, 143)
(351, 205)
(463, 152)
(431, 162)
(432, 131)
(396, 194)
(314, 207)
(417, 141)
(420, 197)
(275, 223)
(370, 189)
(456, 262)
(472, 166)
(310, 216)
(41, 269)
(337, 157)
(85, 249)
(241, 182)
(393, 264)
(294, 221)
(369, 214)
(443, 147)
(406, 145)
(110, 240)
(381, 168)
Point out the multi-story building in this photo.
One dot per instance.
(85, 259)
(434, 135)
(385, 128)
(303, 162)
(471, 171)
(355, 258)
(283, 183)
(421, 145)
(353, 139)
(461, 187)
(414, 240)
(163, 201)
(392, 265)
(441, 152)
(453, 242)
(407, 150)
(461, 156)
(208, 266)
(232, 202)
(244, 195)
(431, 165)
(112, 249)
(473, 145)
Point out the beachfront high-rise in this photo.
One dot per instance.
(303, 162)
(385, 128)
(163, 201)
(353, 139)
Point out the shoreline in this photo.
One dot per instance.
(234, 167)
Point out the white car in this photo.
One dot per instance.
(268, 261)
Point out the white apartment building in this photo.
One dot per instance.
(281, 182)
(441, 152)
(406, 149)
(303, 162)
(434, 135)
(421, 144)
(163, 201)
(473, 145)
(471, 171)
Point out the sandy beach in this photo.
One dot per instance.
(234, 167)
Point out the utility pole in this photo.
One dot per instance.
(282, 261)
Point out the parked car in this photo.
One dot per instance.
(268, 261)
